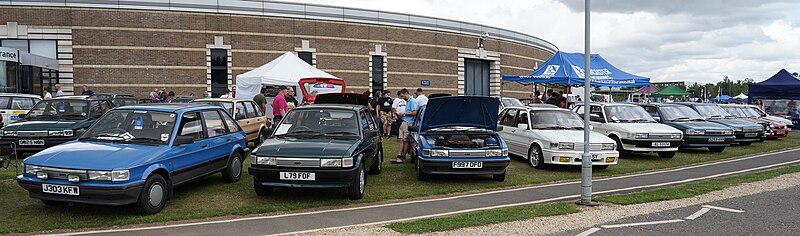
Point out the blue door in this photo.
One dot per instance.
(219, 141)
(190, 161)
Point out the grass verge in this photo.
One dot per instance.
(210, 197)
(494, 216)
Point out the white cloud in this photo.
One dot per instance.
(686, 40)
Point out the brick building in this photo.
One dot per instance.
(191, 46)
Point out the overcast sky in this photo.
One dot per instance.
(673, 40)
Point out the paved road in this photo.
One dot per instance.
(383, 213)
(769, 213)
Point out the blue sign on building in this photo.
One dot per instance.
(425, 82)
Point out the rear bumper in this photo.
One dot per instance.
(647, 145)
(444, 166)
(705, 141)
(324, 178)
(111, 195)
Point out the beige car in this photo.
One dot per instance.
(246, 112)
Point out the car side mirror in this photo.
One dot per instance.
(183, 139)
(657, 118)
(413, 128)
(499, 128)
(522, 126)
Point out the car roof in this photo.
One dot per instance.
(220, 100)
(169, 107)
(608, 104)
(339, 106)
(20, 95)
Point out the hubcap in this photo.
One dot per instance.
(361, 182)
(534, 157)
(236, 166)
(156, 195)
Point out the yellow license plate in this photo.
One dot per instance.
(611, 159)
(19, 112)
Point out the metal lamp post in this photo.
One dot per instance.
(586, 158)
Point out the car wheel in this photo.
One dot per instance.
(716, 149)
(600, 167)
(666, 154)
(499, 177)
(358, 185)
(745, 143)
(262, 190)
(52, 203)
(233, 172)
(535, 157)
(376, 167)
(421, 176)
(619, 144)
(153, 196)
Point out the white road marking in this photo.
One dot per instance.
(588, 232)
(641, 223)
(723, 209)
(698, 213)
(465, 196)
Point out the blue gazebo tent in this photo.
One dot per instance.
(782, 85)
(568, 68)
(723, 98)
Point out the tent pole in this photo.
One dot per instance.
(586, 158)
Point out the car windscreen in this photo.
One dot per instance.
(124, 101)
(508, 102)
(319, 122)
(712, 111)
(760, 112)
(628, 114)
(750, 112)
(59, 109)
(227, 105)
(736, 112)
(679, 113)
(133, 126)
(555, 119)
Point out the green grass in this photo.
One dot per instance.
(486, 217)
(210, 197)
(494, 216)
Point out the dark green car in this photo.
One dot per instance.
(320, 146)
(54, 121)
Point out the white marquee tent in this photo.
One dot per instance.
(286, 70)
(741, 96)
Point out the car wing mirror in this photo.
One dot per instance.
(183, 139)
(522, 126)
(657, 118)
(413, 128)
(499, 128)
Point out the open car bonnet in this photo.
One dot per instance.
(342, 98)
(311, 87)
(470, 111)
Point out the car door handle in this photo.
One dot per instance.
(204, 146)
(228, 139)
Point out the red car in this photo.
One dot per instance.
(310, 87)
(775, 130)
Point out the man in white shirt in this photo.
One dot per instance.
(58, 90)
(422, 100)
(398, 106)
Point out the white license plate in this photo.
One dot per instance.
(716, 140)
(309, 176)
(467, 164)
(779, 132)
(61, 189)
(597, 157)
(660, 144)
(31, 142)
(750, 135)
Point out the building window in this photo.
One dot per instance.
(308, 57)
(45, 48)
(219, 72)
(377, 73)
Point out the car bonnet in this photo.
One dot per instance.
(470, 111)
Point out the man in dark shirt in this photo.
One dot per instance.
(87, 91)
(261, 99)
(554, 99)
(384, 107)
(290, 99)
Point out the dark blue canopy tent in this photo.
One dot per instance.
(723, 98)
(782, 85)
(567, 68)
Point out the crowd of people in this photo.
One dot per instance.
(397, 114)
(553, 98)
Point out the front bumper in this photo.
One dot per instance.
(561, 157)
(778, 133)
(646, 145)
(91, 193)
(324, 178)
(748, 136)
(444, 166)
(706, 140)
(48, 142)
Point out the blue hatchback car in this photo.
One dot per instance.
(457, 135)
(137, 155)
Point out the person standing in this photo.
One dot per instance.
(170, 96)
(87, 91)
(163, 95)
(547, 95)
(206, 94)
(398, 105)
(535, 98)
(384, 109)
(47, 94)
(671, 99)
(58, 90)
(261, 99)
(553, 99)
(227, 94)
(279, 106)
(407, 117)
(422, 100)
(291, 101)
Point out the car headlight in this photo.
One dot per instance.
(435, 153)
(349, 162)
(32, 169)
(330, 162)
(496, 152)
(268, 161)
(563, 145)
(738, 129)
(9, 133)
(609, 146)
(727, 132)
(105, 175)
(676, 136)
(638, 136)
(695, 132)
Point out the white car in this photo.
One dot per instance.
(633, 129)
(787, 122)
(14, 104)
(510, 102)
(545, 135)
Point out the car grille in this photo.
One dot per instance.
(592, 147)
(659, 136)
(298, 162)
(58, 173)
(714, 132)
(467, 153)
(28, 134)
(752, 129)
